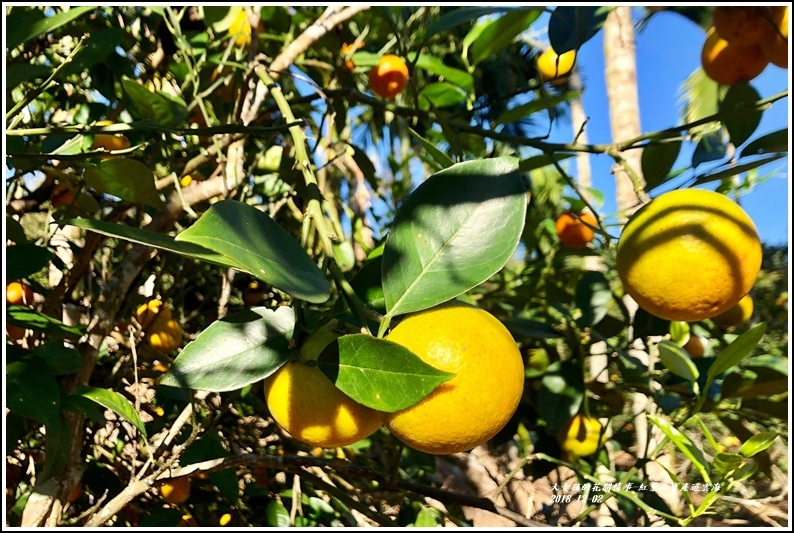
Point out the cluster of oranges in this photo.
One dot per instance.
(388, 78)
(18, 293)
(162, 331)
(743, 41)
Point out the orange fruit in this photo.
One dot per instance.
(555, 68)
(165, 335)
(736, 315)
(688, 255)
(743, 25)
(696, 346)
(572, 229)
(347, 52)
(581, 436)
(176, 490)
(15, 333)
(241, 29)
(62, 194)
(19, 294)
(775, 46)
(727, 63)
(146, 313)
(110, 142)
(389, 77)
(480, 399)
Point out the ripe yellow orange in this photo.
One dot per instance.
(775, 45)
(696, 346)
(581, 436)
(110, 142)
(727, 63)
(19, 293)
(389, 77)
(555, 68)
(241, 29)
(688, 255)
(473, 406)
(347, 52)
(176, 490)
(572, 229)
(311, 408)
(165, 335)
(736, 315)
(62, 194)
(146, 313)
(743, 25)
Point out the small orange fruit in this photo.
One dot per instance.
(572, 229)
(152, 309)
(555, 68)
(775, 48)
(736, 315)
(743, 25)
(19, 294)
(389, 77)
(165, 335)
(241, 29)
(727, 63)
(347, 52)
(696, 346)
(581, 436)
(62, 194)
(106, 141)
(176, 490)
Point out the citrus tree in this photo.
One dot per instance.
(272, 266)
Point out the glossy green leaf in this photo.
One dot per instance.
(59, 358)
(593, 297)
(679, 332)
(234, 351)
(657, 161)
(501, 32)
(57, 447)
(572, 26)
(19, 72)
(774, 363)
(14, 232)
(434, 65)
(777, 141)
(151, 238)
(115, 402)
(250, 238)
(561, 394)
(30, 26)
(540, 161)
(734, 170)
(741, 122)
(31, 391)
(276, 515)
(438, 156)
(378, 373)
(427, 517)
(677, 361)
(456, 230)
(25, 317)
(522, 328)
(25, 259)
(460, 16)
(737, 350)
(683, 443)
(440, 94)
(124, 178)
(710, 148)
(757, 443)
(725, 464)
(85, 407)
(745, 471)
(207, 448)
(157, 106)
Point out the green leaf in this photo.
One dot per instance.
(14, 232)
(543, 103)
(438, 156)
(460, 16)
(456, 230)
(57, 447)
(25, 317)
(561, 394)
(736, 351)
(158, 106)
(501, 32)
(25, 259)
(757, 443)
(777, 141)
(234, 351)
(434, 65)
(734, 170)
(31, 26)
(427, 517)
(679, 332)
(540, 161)
(19, 72)
(31, 391)
(276, 515)
(570, 27)
(124, 178)
(220, 17)
(593, 297)
(115, 402)
(742, 125)
(725, 464)
(677, 361)
(657, 161)
(85, 407)
(710, 148)
(96, 50)
(151, 238)
(440, 94)
(683, 443)
(745, 471)
(59, 358)
(378, 373)
(209, 447)
(522, 328)
(250, 238)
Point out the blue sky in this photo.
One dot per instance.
(668, 51)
